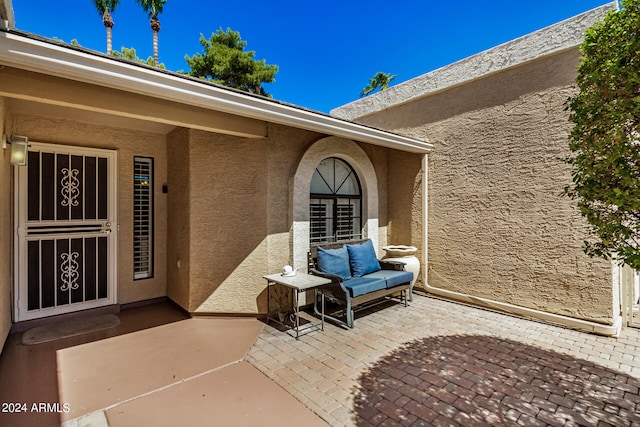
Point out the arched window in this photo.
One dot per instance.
(335, 202)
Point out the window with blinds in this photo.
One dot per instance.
(142, 217)
(335, 202)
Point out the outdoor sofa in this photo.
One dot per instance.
(358, 278)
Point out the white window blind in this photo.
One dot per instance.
(143, 218)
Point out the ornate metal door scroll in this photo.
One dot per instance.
(70, 187)
(69, 272)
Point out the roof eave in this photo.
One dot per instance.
(23, 52)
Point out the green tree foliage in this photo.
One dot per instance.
(153, 8)
(379, 81)
(225, 61)
(131, 55)
(605, 140)
(105, 8)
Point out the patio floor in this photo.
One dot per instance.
(443, 363)
(433, 363)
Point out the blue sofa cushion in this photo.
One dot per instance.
(362, 258)
(392, 277)
(363, 285)
(334, 261)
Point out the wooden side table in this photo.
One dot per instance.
(301, 282)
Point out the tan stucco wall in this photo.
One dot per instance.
(6, 12)
(178, 217)
(128, 144)
(228, 222)
(498, 225)
(286, 148)
(227, 218)
(5, 235)
(240, 216)
(405, 202)
(231, 212)
(400, 178)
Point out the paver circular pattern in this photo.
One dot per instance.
(484, 380)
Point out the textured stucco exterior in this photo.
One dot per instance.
(484, 209)
(231, 173)
(227, 217)
(6, 13)
(178, 215)
(499, 228)
(405, 203)
(228, 222)
(231, 211)
(547, 41)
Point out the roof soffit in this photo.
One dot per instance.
(46, 89)
(29, 53)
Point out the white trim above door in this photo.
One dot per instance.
(66, 231)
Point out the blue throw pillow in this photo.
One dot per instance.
(334, 261)
(362, 258)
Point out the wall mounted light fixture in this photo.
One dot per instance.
(19, 146)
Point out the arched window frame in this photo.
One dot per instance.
(335, 202)
(299, 193)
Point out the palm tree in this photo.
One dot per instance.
(379, 80)
(105, 8)
(153, 9)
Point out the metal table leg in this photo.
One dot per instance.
(297, 308)
(291, 323)
(268, 300)
(322, 316)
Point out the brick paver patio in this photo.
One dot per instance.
(442, 363)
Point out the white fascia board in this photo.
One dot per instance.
(31, 54)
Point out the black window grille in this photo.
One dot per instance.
(335, 208)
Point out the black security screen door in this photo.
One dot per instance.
(335, 202)
(65, 231)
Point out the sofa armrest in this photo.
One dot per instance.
(391, 265)
(332, 277)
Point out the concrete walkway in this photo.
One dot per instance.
(442, 363)
(186, 373)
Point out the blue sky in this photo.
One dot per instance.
(326, 50)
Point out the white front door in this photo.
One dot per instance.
(66, 230)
